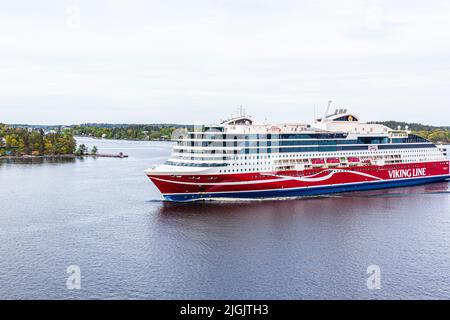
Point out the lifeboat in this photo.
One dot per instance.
(353, 160)
(317, 162)
(333, 161)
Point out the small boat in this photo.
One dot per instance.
(333, 161)
(317, 162)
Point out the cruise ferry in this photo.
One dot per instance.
(242, 159)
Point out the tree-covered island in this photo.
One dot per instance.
(143, 132)
(27, 140)
(35, 142)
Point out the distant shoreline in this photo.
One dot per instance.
(96, 138)
(64, 156)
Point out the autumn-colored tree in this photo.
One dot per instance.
(24, 141)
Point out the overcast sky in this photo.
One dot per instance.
(64, 62)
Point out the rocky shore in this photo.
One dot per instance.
(66, 156)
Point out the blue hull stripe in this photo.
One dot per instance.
(281, 193)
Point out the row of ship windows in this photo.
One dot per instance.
(266, 163)
(326, 154)
(289, 149)
(244, 170)
(312, 172)
(264, 136)
(288, 137)
(418, 153)
(249, 163)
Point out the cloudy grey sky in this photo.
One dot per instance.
(153, 61)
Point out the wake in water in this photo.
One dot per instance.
(325, 196)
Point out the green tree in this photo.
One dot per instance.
(30, 141)
(82, 150)
(41, 142)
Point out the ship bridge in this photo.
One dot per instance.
(241, 120)
(343, 121)
(341, 115)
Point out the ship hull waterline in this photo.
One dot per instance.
(292, 184)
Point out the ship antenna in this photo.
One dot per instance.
(241, 111)
(326, 110)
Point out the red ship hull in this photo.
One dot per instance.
(258, 185)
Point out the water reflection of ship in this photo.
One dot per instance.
(322, 204)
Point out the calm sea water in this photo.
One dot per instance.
(104, 216)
